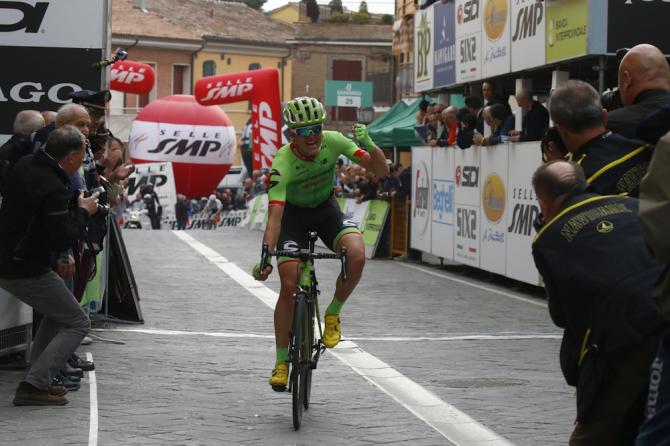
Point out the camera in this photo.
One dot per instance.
(102, 207)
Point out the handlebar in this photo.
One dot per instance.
(305, 255)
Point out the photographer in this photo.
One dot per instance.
(36, 221)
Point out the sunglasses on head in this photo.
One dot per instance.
(310, 130)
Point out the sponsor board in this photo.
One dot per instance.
(468, 17)
(566, 29)
(226, 219)
(468, 58)
(373, 224)
(496, 37)
(162, 178)
(47, 87)
(423, 49)
(522, 209)
(528, 34)
(493, 196)
(444, 44)
(641, 20)
(466, 239)
(53, 23)
(443, 195)
(421, 199)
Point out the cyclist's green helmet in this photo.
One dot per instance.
(304, 111)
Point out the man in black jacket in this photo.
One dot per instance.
(599, 283)
(613, 164)
(644, 86)
(535, 119)
(36, 222)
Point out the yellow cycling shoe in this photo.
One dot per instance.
(331, 334)
(279, 378)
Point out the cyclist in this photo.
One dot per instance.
(301, 199)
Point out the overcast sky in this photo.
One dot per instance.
(376, 6)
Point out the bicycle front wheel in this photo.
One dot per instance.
(298, 360)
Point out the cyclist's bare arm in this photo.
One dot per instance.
(375, 162)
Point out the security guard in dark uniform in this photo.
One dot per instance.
(613, 164)
(599, 283)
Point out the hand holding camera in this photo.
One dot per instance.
(90, 203)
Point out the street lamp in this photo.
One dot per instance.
(365, 114)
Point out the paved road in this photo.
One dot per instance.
(195, 373)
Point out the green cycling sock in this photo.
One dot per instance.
(282, 355)
(335, 307)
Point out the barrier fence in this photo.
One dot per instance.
(476, 206)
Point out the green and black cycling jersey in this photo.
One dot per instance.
(305, 182)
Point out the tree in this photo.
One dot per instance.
(336, 6)
(363, 8)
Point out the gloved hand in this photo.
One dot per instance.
(361, 135)
(261, 275)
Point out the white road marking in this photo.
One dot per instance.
(217, 334)
(450, 422)
(93, 426)
(474, 285)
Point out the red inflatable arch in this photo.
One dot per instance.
(261, 87)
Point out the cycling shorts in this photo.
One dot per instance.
(327, 220)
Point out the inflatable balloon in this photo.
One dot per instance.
(199, 141)
(261, 87)
(129, 76)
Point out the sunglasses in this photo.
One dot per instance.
(310, 130)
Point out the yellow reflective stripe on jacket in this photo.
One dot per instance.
(568, 209)
(616, 162)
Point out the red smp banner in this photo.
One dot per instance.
(261, 87)
(130, 76)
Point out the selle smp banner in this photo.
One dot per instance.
(261, 87)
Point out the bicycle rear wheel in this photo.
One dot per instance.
(298, 360)
(308, 346)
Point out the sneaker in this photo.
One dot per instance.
(279, 378)
(29, 395)
(77, 362)
(331, 334)
(62, 380)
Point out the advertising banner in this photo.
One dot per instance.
(421, 203)
(53, 23)
(528, 34)
(355, 211)
(373, 224)
(522, 209)
(444, 54)
(567, 23)
(493, 225)
(496, 37)
(442, 197)
(162, 178)
(23, 87)
(260, 217)
(467, 203)
(640, 20)
(423, 49)
(468, 40)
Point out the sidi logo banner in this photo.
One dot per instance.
(467, 176)
(53, 23)
(29, 16)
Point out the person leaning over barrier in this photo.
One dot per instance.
(36, 221)
(598, 281)
(613, 164)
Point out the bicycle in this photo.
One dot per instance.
(304, 350)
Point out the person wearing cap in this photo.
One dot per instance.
(95, 103)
